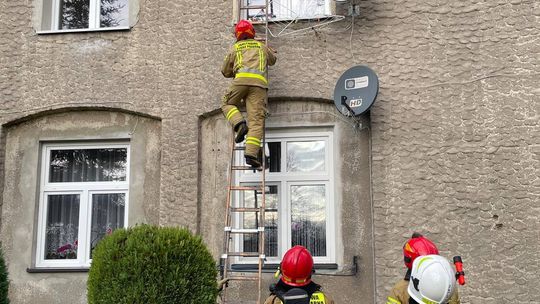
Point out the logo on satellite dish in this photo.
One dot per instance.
(356, 90)
(356, 83)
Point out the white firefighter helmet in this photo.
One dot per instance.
(433, 280)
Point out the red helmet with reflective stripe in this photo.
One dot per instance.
(244, 30)
(297, 266)
(416, 246)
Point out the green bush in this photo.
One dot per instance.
(152, 265)
(4, 282)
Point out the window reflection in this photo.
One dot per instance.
(107, 215)
(74, 14)
(250, 220)
(88, 165)
(114, 13)
(62, 227)
(305, 156)
(308, 218)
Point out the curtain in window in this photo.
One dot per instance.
(88, 165)
(308, 218)
(62, 230)
(107, 215)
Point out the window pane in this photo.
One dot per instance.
(74, 14)
(107, 215)
(62, 227)
(275, 156)
(308, 218)
(270, 221)
(305, 156)
(114, 13)
(46, 20)
(89, 165)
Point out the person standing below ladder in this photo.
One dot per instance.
(247, 63)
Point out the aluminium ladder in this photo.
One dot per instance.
(232, 233)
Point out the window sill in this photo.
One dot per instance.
(55, 270)
(123, 28)
(271, 268)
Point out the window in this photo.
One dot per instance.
(299, 197)
(83, 197)
(289, 9)
(84, 14)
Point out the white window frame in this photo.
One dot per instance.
(284, 181)
(85, 191)
(289, 4)
(94, 17)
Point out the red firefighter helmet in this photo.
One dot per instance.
(244, 30)
(416, 246)
(297, 266)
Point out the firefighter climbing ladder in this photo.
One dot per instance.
(233, 209)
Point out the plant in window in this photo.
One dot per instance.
(148, 264)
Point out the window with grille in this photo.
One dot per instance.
(288, 9)
(299, 197)
(83, 197)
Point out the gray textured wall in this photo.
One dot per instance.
(455, 132)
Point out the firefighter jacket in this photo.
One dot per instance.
(313, 291)
(400, 295)
(247, 63)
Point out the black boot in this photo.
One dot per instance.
(253, 161)
(241, 130)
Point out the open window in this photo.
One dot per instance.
(82, 15)
(288, 9)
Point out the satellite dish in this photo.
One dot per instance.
(356, 90)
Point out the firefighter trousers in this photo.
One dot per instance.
(254, 98)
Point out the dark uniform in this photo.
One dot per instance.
(316, 296)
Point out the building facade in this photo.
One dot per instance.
(109, 114)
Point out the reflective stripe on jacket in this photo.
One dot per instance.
(247, 62)
(317, 298)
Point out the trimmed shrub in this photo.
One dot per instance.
(4, 282)
(152, 265)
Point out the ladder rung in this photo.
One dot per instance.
(245, 209)
(261, 7)
(239, 148)
(257, 22)
(246, 188)
(244, 230)
(244, 168)
(243, 278)
(244, 254)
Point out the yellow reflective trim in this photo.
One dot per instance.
(317, 298)
(254, 139)
(251, 75)
(391, 300)
(248, 142)
(422, 260)
(261, 60)
(428, 301)
(231, 113)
